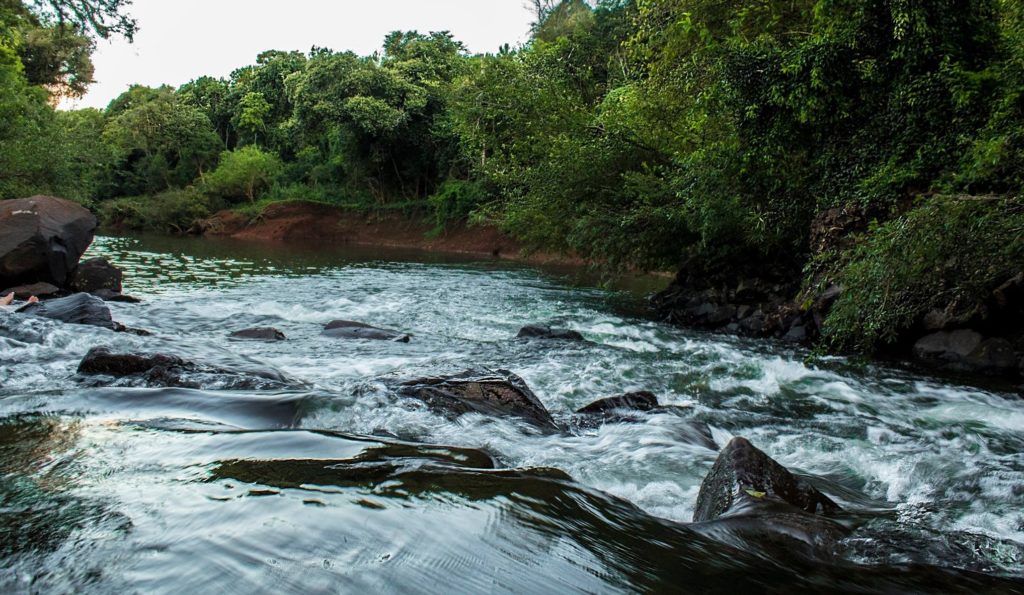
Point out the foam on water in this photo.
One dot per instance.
(946, 457)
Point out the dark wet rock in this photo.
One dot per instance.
(94, 275)
(497, 393)
(348, 329)
(967, 351)
(695, 432)
(636, 401)
(108, 295)
(796, 334)
(264, 333)
(80, 308)
(41, 239)
(537, 331)
(776, 530)
(162, 370)
(40, 290)
(745, 475)
(750, 501)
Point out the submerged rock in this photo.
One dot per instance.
(263, 333)
(41, 239)
(537, 331)
(348, 329)
(108, 295)
(80, 308)
(497, 393)
(636, 401)
(745, 475)
(161, 370)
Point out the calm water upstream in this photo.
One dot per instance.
(339, 486)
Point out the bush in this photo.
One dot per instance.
(172, 211)
(245, 173)
(948, 253)
(455, 200)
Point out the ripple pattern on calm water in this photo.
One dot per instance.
(171, 489)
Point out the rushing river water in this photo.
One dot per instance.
(338, 485)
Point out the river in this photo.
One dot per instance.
(338, 485)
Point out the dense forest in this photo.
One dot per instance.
(656, 134)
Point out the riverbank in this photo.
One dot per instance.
(309, 222)
(759, 302)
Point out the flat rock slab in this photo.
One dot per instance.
(162, 370)
(80, 308)
(349, 329)
(41, 239)
(744, 475)
(498, 393)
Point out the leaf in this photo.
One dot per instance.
(755, 493)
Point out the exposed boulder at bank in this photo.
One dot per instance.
(789, 303)
(497, 393)
(41, 239)
(105, 367)
(263, 333)
(967, 351)
(538, 331)
(349, 329)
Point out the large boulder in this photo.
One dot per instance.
(743, 475)
(497, 393)
(41, 239)
(105, 367)
(80, 308)
(967, 351)
(750, 501)
(348, 329)
(94, 275)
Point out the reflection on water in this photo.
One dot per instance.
(336, 484)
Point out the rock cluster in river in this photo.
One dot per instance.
(42, 239)
(982, 338)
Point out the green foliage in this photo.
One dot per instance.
(172, 211)
(244, 173)
(949, 253)
(158, 142)
(640, 133)
(455, 200)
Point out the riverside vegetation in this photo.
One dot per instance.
(854, 167)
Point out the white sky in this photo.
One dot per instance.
(179, 40)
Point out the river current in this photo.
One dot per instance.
(338, 485)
